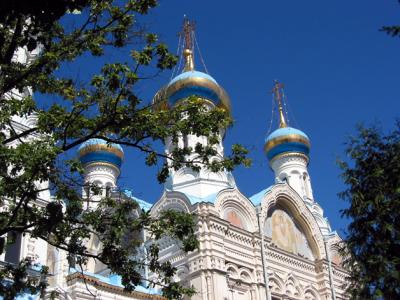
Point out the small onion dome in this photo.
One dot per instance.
(192, 83)
(286, 140)
(98, 150)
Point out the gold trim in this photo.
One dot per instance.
(160, 100)
(203, 82)
(189, 60)
(101, 147)
(286, 138)
(278, 97)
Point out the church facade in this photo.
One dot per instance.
(275, 244)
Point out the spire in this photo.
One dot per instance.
(278, 96)
(187, 33)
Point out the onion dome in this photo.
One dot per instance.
(193, 83)
(286, 140)
(99, 151)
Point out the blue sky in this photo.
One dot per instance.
(338, 70)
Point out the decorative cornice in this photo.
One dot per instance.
(111, 288)
(290, 156)
(103, 164)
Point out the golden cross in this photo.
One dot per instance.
(277, 91)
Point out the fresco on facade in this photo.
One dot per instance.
(234, 218)
(285, 234)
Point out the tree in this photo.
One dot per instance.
(106, 107)
(372, 246)
(393, 30)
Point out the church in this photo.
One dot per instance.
(274, 244)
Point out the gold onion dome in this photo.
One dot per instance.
(98, 150)
(191, 82)
(285, 139)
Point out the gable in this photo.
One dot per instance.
(305, 238)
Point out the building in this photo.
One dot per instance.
(275, 244)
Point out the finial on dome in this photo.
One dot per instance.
(277, 91)
(187, 33)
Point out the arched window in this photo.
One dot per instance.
(306, 186)
(13, 248)
(283, 177)
(185, 141)
(108, 190)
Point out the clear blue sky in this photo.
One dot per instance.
(338, 70)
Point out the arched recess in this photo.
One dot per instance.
(171, 200)
(310, 293)
(283, 177)
(185, 175)
(284, 197)
(306, 183)
(232, 270)
(286, 233)
(98, 183)
(275, 285)
(292, 286)
(181, 274)
(245, 276)
(237, 209)
(217, 176)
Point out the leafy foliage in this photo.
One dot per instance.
(393, 30)
(34, 160)
(373, 241)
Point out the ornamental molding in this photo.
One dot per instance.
(232, 198)
(101, 167)
(171, 200)
(289, 199)
(289, 157)
(238, 255)
(307, 267)
(230, 232)
(292, 286)
(246, 275)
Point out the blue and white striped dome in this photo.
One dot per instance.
(98, 150)
(286, 140)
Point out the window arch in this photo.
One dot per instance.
(310, 295)
(286, 233)
(306, 185)
(283, 177)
